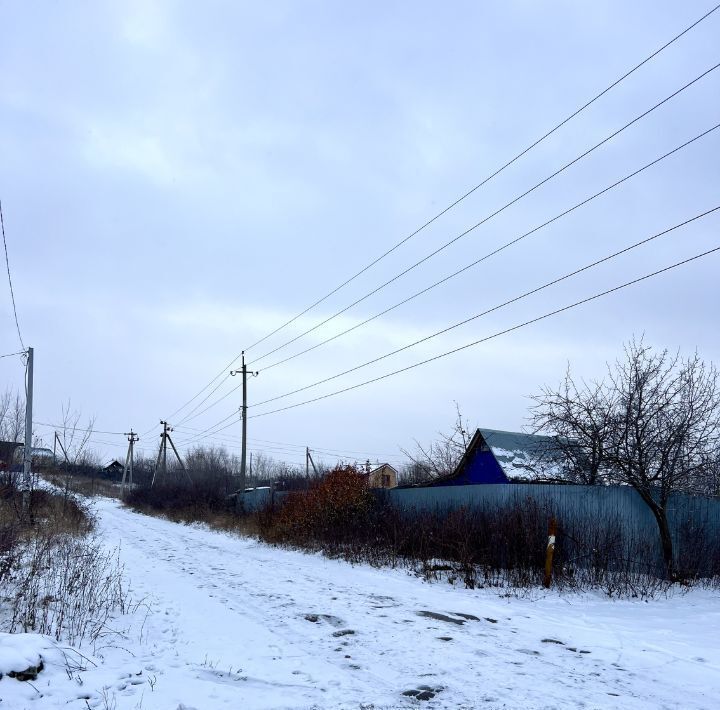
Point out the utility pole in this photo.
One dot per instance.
(27, 453)
(243, 451)
(57, 441)
(308, 462)
(129, 459)
(162, 454)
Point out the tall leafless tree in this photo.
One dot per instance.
(654, 425)
(581, 419)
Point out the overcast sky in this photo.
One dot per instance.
(179, 179)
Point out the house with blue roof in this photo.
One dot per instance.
(495, 456)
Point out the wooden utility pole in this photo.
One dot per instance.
(27, 453)
(129, 459)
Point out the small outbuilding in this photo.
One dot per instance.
(384, 476)
(7, 453)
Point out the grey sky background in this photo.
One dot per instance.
(178, 179)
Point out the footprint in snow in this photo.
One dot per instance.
(423, 692)
(448, 619)
(328, 618)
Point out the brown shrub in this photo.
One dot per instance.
(338, 501)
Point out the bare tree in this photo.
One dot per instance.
(12, 416)
(74, 438)
(654, 424)
(668, 425)
(581, 419)
(440, 457)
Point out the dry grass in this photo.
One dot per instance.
(84, 486)
(55, 578)
(185, 504)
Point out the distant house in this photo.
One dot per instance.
(384, 476)
(38, 454)
(7, 453)
(114, 467)
(503, 457)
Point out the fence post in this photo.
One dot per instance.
(552, 531)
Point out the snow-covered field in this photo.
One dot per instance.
(227, 622)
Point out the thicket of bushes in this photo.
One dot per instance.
(495, 547)
(183, 501)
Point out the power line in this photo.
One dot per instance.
(20, 352)
(494, 335)
(489, 177)
(12, 292)
(287, 447)
(189, 416)
(499, 249)
(68, 427)
(483, 182)
(492, 253)
(487, 218)
(554, 282)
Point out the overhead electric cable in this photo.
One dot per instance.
(209, 431)
(490, 337)
(497, 307)
(491, 176)
(67, 427)
(496, 251)
(189, 416)
(481, 259)
(12, 292)
(284, 446)
(19, 352)
(486, 219)
(483, 182)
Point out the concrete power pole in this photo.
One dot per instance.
(162, 455)
(129, 459)
(27, 453)
(308, 461)
(243, 451)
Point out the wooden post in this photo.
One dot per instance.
(552, 531)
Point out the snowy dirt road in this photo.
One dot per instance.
(237, 624)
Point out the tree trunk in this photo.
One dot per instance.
(665, 540)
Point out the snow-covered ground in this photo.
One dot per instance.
(228, 622)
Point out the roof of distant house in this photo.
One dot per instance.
(380, 467)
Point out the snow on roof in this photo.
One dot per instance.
(526, 456)
(382, 466)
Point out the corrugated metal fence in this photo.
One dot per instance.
(575, 508)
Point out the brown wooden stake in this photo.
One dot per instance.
(552, 531)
